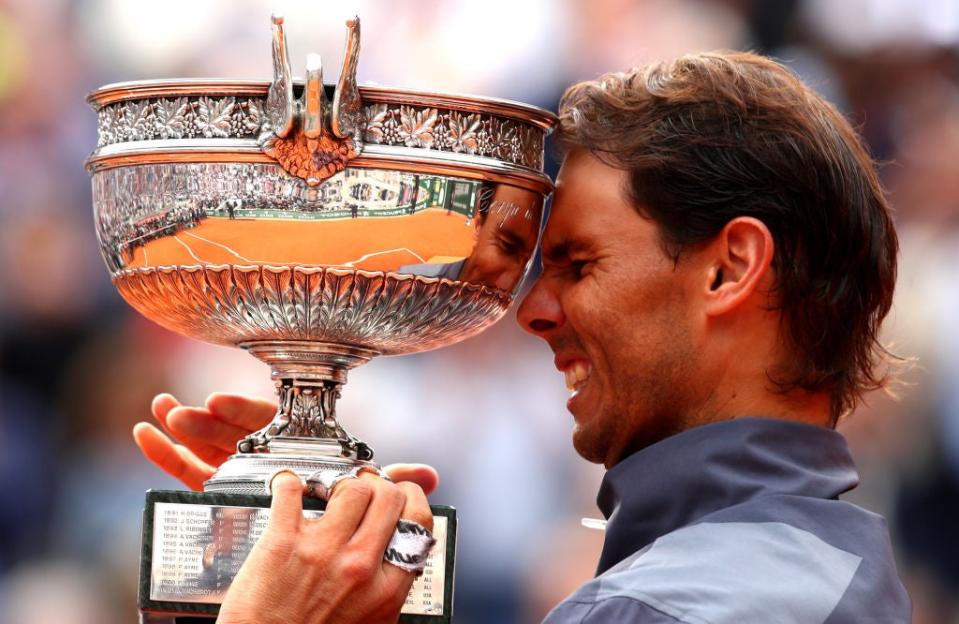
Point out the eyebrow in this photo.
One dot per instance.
(562, 250)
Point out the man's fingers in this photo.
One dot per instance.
(379, 522)
(182, 421)
(201, 425)
(422, 475)
(211, 438)
(173, 459)
(346, 507)
(161, 406)
(416, 509)
(286, 509)
(246, 413)
(165, 405)
(197, 470)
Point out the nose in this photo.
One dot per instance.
(540, 312)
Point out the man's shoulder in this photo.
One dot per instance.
(735, 571)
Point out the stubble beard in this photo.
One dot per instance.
(653, 404)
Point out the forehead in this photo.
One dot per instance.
(590, 203)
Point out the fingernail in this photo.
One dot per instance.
(268, 484)
(165, 396)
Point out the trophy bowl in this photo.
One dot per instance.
(315, 226)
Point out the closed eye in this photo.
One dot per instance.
(564, 265)
(579, 267)
(511, 245)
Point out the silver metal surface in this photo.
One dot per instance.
(304, 136)
(459, 126)
(280, 111)
(322, 482)
(315, 227)
(173, 87)
(385, 312)
(347, 118)
(245, 473)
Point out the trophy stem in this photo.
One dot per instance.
(308, 378)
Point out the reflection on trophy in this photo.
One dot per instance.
(315, 227)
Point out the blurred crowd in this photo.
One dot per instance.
(78, 367)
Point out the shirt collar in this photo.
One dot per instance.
(676, 481)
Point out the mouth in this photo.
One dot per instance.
(577, 374)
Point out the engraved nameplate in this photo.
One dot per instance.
(193, 551)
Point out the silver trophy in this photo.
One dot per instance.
(315, 227)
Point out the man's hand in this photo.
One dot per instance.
(329, 569)
(208, 435)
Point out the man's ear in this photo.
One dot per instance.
(739, 259)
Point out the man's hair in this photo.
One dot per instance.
(711, 137)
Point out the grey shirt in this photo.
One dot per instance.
(736, 522)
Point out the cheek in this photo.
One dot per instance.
(645, 329)
(583, 307)
(604, 325)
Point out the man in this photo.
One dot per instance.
(716, 267)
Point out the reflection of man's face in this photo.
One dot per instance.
(505, 240)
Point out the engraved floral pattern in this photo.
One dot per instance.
(385, 312)
(213, 116)
(305, 412)
(455, 131)
(416, 126)
(382, 126)
(170, 118)
(105, 129)
(423, 127)
(179, 118)
(140, 114)
(463, 130)
(252, 119)
(487, 139)
(313, 413)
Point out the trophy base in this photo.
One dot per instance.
(195, 542)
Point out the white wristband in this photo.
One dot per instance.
(409, 546)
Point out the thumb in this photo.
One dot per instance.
(422, 475)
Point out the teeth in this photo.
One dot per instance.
(576, 375)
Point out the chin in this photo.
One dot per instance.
(587, 446)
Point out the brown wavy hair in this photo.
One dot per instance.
(711, 137)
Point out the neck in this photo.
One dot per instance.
(730, 401)
(742, 385)
(742, 354)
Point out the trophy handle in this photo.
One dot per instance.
(304, 136)
(315, 104)
(347, 118)
(280, 107)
